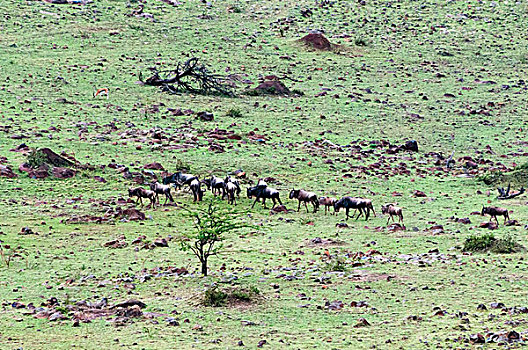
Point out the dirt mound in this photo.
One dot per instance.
(272, 87)
(317, 41)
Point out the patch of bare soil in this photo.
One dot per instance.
(320, 242)
(364, 276)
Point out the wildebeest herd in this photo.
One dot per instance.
(229, 188)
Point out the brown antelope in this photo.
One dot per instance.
(103, 91)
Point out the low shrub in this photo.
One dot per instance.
(488, 242)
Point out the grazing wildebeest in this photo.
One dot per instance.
(304, 197)
(234, 182)
(140, 193)
(364, 206)
(391, 209)
(263, 192)
(327, 202)
(196, 190)
(231, 190)
(496, 211)
(215, 184)
(348, 203)
(161, 189)
(179, 179)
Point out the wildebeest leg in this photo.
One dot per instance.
(278, 198)
(346, 212)
(274, 203)
(495, 216)
(305, 206)
(367, 214)
(315, 206)
(264, 202)
(255, 202)
(388, 219)
(299, 206)
(360, 213)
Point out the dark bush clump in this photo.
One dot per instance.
(488, 242)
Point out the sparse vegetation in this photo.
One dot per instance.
(450, 77)
(234, 113)
(488, 242)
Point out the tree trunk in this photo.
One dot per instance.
(204, 267)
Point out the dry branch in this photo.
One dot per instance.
(190, 76)
(505, 193)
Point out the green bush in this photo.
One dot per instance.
(336, 264)
(360, 41)
(479, 243)
(214, 297)
(234, 113)
(488, 242)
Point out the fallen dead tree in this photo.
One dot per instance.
(505, 193)
(191, 76)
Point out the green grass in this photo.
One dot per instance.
(450, 76)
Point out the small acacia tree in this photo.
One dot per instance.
(210, 227)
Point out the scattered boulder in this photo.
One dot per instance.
(489, 225)
(132, 214)
(411, 145)
(205, 116)
(6, 171)
(63, 173)
(395, 227)
(154, 166)
(279, 209)
(41, 172)
(417, 193)
(27, 231)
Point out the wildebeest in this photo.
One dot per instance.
(196, 189)
(179, 179)
(231, 190)
(215, 184)
(391, 209)
(304, 197)
(496, 211)
(235, 182)
(366, 205)
(140, 193)
(348, 203)
(327, 202)
(264, 192)
(161, 189)
(363, 205)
